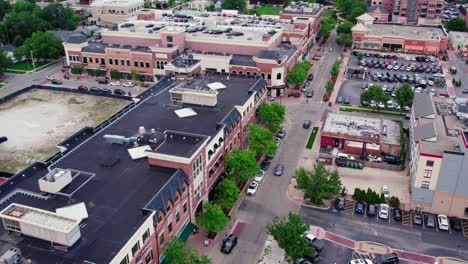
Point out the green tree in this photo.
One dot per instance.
(326, 27)
(382, 198)
(261, 141)
(42, 45)
(404, 96)
(5, 7)
(272, 115)
(456, 24)
(210, 8)
(329, 86)
(335, 70)
(297, 76)
(289, 233)
(359, 194)
(135, 75)
(76, 70)
(26, 6)
(234, 5)
(59, 16)
(394, 202)
(344, 28)
(344, 40)
(212, 218)
(355, 12)
(176, 253)
(18, 41)
(4, 62)
(226, 193)
(23, 24)
(318, 184)
(115, 74)
(97, 72)
(375, 93)
(170, 2)
(360, 55)
(241, 165)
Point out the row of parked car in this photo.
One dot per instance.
(395, 57)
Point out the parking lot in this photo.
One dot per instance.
(390, 72)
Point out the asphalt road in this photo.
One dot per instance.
(270, 200)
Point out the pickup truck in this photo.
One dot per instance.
(318, 244)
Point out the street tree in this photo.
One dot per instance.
(344, 39)
(344, 28)
(272, 115)
(5, 7)
(318, 184)
(41, 45)
(329, 86)
(233, 5)
(326, 27)
(456, 24)
(376, 94)
(4, 62)
(226, 194)
(59, 16)
(241, 165)
(335, 70)
(404, 96)
(176, 253)
(261, 141)
(297, 76)
(212, 218)
(289, 233)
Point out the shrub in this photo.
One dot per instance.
(394, 202)
(76, 70)
(115, 74)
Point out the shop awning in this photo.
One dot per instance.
(432, 49)
(413, 47)
(187, 231)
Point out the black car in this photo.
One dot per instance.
(310, 77)
(229, 243)
(270, 156)
(346, 100)
(389, 258)
(55, 81)
(95, 89)
(430, 221)
(119, 91)
(3, 139)
(359, 208)
(340, 203)
(397, 214)
(371, 210)
(339, 100)
(307, 124)
(265, 164)
(103, 81)
(455, 223)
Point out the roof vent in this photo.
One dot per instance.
(55, 181)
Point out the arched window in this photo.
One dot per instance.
(278, 76)
(234, 72)
(248, 73)
(240, 72)
(263, 75)
(254, 74)
(269, 76)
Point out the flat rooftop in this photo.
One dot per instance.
(303, 8)
(360, 127)
(412, 32)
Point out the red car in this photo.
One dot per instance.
(83, 88)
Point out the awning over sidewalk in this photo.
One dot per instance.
(186, 232)
(432, 49)
(413, 47)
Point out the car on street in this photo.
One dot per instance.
(116, 83)
(82, 88)
(442, 221)
(389, 258)
(310, 94)
(306, 124)
(259, 176)
(119, 92)
(417, 219)
(371, 210)
(265, 164)
(55, 81)
(252, 189)
(50, 77)
(455, 223)
(386, 191)
(340, 203)
(105, 90)
(310, 77)
(360, 261)
(360, 207)
(397, 214)
(279, 169)
(430, 221)
(339, 100)
(128, 84)
(383, 211)
(465, 91)
(281, 132)
(346, 100)
(318, 244)
(374, 158)
(103, 81)
(229, 243)
(304, 88)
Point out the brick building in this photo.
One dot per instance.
(158, 43)
(108, 12)
(361, 135)
(128, 188)
(412, 11)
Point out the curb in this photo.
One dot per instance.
(316, 207)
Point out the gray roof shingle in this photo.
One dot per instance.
(424, 131)
(422, 104)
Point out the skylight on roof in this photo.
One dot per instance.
(216, 86)
(185, 112)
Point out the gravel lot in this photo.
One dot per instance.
(39, 119)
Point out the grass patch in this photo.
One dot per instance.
(3, 84)
(349, 109)
(268, 10)
(26, 65)
(312, 136)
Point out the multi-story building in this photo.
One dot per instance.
(109, 12)
(399, 38)
(410, 11)
(158, 43)
(438, 157)
(126, 189)
(379, 13)
(463, 13)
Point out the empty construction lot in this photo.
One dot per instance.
(37, 120)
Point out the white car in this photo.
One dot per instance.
(383, 211)
(252, 188)
(389, 67)
(396, 67)
(360, 261)
(259, 176)
(406, 108)
(128, 84)
(442, 220)
(418, 90)
(385, 191)
(381, 105)
(304, 88)
(430, 83)
(116, 83)
(278, 141)
(407, 58)
(413, 59)
(374, 158)
(50, 77)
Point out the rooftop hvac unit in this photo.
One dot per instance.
(55, 181)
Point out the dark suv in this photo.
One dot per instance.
(340, 203)
(371, 210)
(359, 208)
(229, 243)
(389, 258)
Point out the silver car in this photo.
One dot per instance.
(279, 169)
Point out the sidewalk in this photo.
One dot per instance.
(341, 76)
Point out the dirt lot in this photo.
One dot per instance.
(36, 121)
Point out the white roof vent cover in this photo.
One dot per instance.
(216, 86)
(185, 112)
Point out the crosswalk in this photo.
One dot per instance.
(464, 225)
(349, 207)
(365, 255)
(406, 219)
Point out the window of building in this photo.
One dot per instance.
(427, 173)
(248, 73)
(146, 235)
(168, 207)
(169, 39)
(103, 62)
(184, 188)
(135, 248)
(85, 60)
(160, 218)
(122, 62)
(429, 163)
(234, 72)
(111, 62)
(147, 65)
(116, 61)
(184, 208)
(169, 227)
(425, 185)
(149, 256)
(278, 76)
(240, 72)
(125, 260)
(170, 45)
(128, 62)
(136, 63)
(142, 64)
(177, 217)
(96, 60)
(161, 239)
(269, 76)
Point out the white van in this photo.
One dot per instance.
(344, 156)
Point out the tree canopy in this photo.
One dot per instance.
(344, 28)
(351, 8)
(233, 4)
(241, 165)
(261, 141)
(299, 73)
(4, 61)
(226, 193)
(289, 233)
(456, 24)
(344, 39)
(212, 218)
(176, 253)
(272, 115)
(43, 45)
(404, 96)
(375, 93)
(318, 184)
